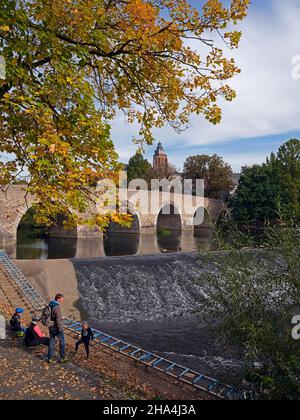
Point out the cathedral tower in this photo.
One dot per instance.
(160, 158)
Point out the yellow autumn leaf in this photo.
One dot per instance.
(52, 148)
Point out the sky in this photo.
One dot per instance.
(266, 111)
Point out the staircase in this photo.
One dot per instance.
(15, 287)
(10, 293)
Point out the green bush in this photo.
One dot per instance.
(251, 294)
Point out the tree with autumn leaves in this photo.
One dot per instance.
(71, 65)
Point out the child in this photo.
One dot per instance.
(16, 323)
(86, 337)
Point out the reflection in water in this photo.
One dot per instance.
(170, 241)
(45, 248)
(121, 244)
(113, 244)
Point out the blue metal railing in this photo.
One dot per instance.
(20, 281)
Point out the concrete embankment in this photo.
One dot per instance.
(53, 276)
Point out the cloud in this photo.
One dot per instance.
(268, 98)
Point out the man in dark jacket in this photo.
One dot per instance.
(56, 330)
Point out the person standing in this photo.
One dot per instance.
(56, 329)
(86, 337)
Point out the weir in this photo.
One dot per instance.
(31, 295)
(139, 288)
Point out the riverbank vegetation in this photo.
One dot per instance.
(263, 188)
(254, 290)
(251, 295)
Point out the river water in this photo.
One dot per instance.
(115, 244)
(183, 340)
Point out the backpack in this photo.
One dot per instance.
(46, 317)
(30, 335)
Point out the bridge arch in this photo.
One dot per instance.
(40, 241)
(169, 224)
(121, 240)
(13, 206)
(127, 207)
(202, 223)
(57, 229)
(168, 218)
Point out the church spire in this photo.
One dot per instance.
(160, 158)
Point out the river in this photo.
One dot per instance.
(115, 244)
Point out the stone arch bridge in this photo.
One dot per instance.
(146, 205)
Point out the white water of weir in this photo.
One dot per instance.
(151, 301)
